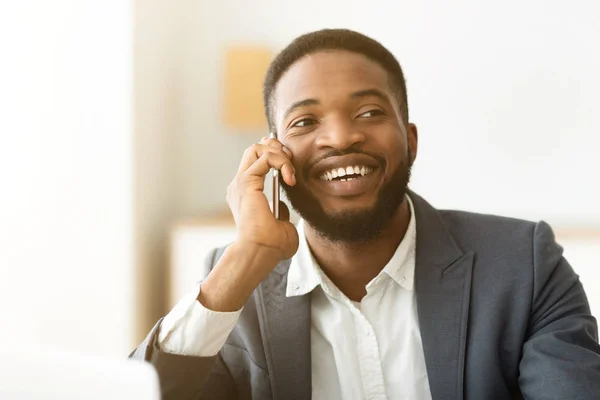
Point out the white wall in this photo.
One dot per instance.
(583, 254)
(505, 95)
(66, 272)
(156, 126)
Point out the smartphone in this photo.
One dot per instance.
(276, 189)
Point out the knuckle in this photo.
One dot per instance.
(273, 158)
(275, 143)
(277, 154)
(252, 149)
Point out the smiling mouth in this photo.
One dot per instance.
(346, 173)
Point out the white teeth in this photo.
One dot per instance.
(343, 180)
(340, 172)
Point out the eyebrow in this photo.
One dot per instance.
(299, 104)
(356, 95)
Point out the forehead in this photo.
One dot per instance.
(327, 75)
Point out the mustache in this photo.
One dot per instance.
(337, 153)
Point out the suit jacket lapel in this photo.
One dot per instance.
(285, 329)
(443, 287)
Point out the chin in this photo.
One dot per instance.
(347, 206)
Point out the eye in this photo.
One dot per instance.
(304, 122)
(371, 113)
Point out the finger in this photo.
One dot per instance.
(278, 161)
(269, 160)
(277, 144)
(254, 152)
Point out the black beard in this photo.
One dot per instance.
(356, 226)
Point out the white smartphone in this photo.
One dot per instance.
(275, 174)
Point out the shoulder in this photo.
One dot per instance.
(487, 232)
(465, 223)
(507, 265)
(503, 245)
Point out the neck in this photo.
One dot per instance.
(351, 266)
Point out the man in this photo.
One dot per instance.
(375, 294)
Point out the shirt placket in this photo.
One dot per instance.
(369, 360)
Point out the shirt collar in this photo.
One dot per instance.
(401, 267)
(304, 273)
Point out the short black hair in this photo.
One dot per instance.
(334, 39)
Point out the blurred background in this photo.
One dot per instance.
(119, 136)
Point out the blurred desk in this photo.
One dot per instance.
(192, 240)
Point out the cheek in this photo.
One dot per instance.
(300, 156)
(396, 153)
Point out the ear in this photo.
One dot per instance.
(413, 142)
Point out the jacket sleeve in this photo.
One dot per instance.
(561, 356)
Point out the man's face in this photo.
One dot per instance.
(337, 113)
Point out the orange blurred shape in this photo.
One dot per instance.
(245, 69)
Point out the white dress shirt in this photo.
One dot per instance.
(359, 350)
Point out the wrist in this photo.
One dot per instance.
(235, 276)
(254, 254)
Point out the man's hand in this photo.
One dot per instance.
(262, 241)
(254, 219)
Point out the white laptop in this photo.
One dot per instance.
(34, 374)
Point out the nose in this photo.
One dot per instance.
(339, 134)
